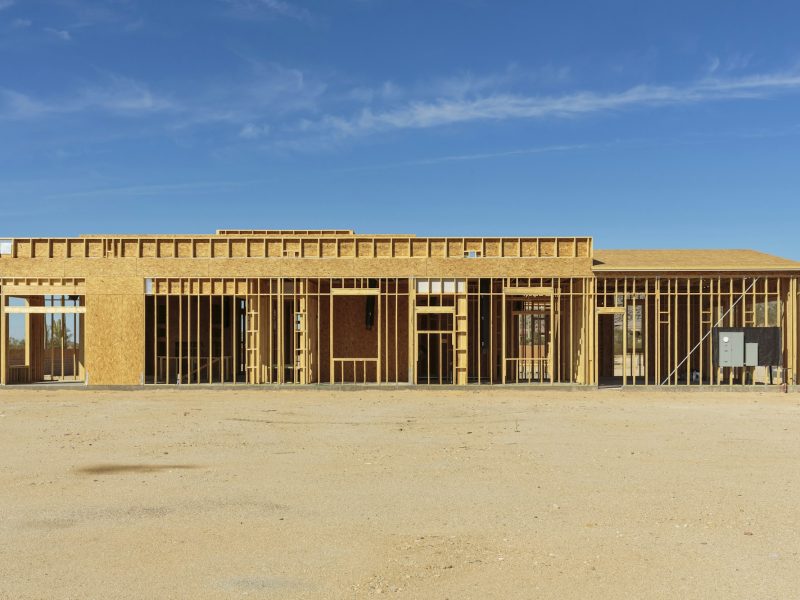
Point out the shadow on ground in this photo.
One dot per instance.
(110, 469)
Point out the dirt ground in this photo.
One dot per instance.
(408, 494)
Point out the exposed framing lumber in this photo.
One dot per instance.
(45, 310)
(266, 321)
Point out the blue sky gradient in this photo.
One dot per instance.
(642, 124)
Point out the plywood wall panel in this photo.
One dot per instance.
(351, 338)
(115, 331)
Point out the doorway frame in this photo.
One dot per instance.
(610, 310)
(434, 310)
(527, 294)
(377, 359)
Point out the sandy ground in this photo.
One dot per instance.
(407, 494)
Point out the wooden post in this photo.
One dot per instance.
(198, 333)
(688, 331)
(791, 305)
(210, 329)
(412, 330)
(503, 340)
(234, 332)
(63, 336)
(646, 331)
(189, 332)
(461, 326)
(167, 308)
(625, 332)
(378, 301)
(152, 301)
(551, 351)
(222, 331)
(330, 334)
(181, 379)
(572, 375)
(3, 338)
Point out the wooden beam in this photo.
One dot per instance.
(435, 310)
(49, 310)
(355, 292)
(44, 290)
(610, 310)
(528, 291)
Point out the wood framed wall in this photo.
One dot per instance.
(114, 270)
(287, 330)
(312, 330)
(297, 244)
(564, 308)
(666, 339)
(52, 340)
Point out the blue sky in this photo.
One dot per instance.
(643, 124)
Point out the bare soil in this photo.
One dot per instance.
(402, 493)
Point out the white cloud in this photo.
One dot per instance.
(479, 156)
(4, 4)
(729, 64)
(423, 114)
(21, 23)
(468, 83)
(116, 95)
(387, 90)
(61, 34)
(121, 95)
(279, 8)
(14, 104)
(251, 131)
(265, 92)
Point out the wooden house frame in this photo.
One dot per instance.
(259, 307)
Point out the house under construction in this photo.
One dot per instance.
(335, 307)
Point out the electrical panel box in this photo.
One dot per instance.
(731, 349)
(750, 354)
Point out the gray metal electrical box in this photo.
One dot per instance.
(751, 354)
(731, 349)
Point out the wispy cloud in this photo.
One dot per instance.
(279, 8)
(286, 109)
(258, 99)
(4, 4)
(251, 131)
(729, 64)
(61, 34)
(158, 189)
(463, 84)
(469, 84)
(424, 114)
(16, 105)
(21, 23)
(455, 158)
(118, 95)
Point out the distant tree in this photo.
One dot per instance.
(58, 334)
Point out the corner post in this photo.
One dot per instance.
(3, 338)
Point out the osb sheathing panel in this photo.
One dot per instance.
(115, 331)
(351, 338)
(695, 260)
(115, 286)
(305, 267)
(115, 339)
